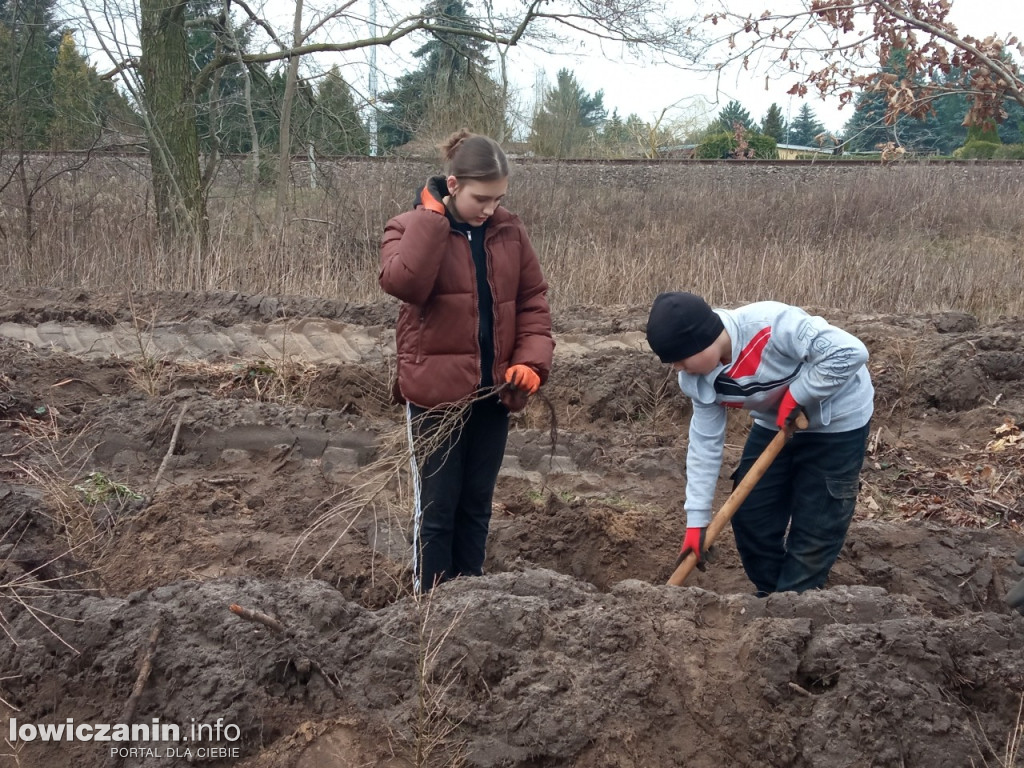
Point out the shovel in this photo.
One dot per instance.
(685, 565)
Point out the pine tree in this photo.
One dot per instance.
(267, 98)
(774, 124)
(1011, 130)
(804, 128)
(946, 121)
(616, 138)
(451, 88)
(866, 129)
(567, 118)
(733, 113)
(614, 131)
(75, 123)
(337, 128)
(940, 131)
(221, 111)
(29, 42)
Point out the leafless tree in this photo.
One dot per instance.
(838, 47)
(157, 70)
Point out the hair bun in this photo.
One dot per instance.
(451, 145)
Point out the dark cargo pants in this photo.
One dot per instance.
(791, 528)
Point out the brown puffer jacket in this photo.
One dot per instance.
(429, 266)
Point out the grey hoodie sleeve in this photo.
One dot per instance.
(703, 461)
(830, 355)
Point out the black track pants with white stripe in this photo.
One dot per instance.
(453, 486)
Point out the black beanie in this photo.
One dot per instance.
(680, 325)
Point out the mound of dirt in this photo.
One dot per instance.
(242, 451)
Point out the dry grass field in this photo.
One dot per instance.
(898, 238)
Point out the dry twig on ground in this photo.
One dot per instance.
(145, 667)
(170, 448)
(301, 654)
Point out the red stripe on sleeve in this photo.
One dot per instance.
(750, 358)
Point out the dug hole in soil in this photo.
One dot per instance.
(168, 458)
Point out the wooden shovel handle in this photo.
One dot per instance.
(737, 497)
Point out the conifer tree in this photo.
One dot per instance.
(568, 117)
(774, 124)
(938, 130)
(75, 124)
(616, 139)
(450, 89)
(336, 127)
(29, 41)
(733, 113)
(805, 127)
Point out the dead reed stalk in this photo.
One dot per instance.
(369, 485)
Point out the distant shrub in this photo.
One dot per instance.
(977, 150)
(1009, 152)
(723, 145)
(716, 146)
(765, 147)
(987, 132)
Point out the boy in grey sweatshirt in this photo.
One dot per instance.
(774, 360)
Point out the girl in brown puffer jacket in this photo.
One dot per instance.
(474, 315)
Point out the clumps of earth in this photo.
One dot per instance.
(204, 524)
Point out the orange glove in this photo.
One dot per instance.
(523, 377)
(431, 197)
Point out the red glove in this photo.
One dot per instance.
(693, 541)
(429, 197)
(789, 409)
(523, 377)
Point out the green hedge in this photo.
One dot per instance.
(716, 146)
(977, 150)
(986, 132)
(765, 147)
(722, 145)
(1009, 152)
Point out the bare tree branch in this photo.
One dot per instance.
(840, 46)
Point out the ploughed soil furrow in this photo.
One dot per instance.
(165, 458)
